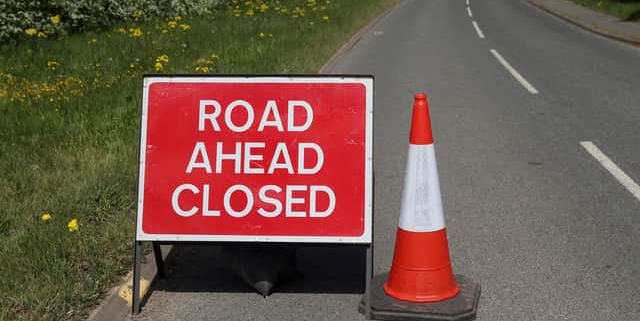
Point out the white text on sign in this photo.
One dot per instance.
(241, 155)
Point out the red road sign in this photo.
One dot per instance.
(276, 159)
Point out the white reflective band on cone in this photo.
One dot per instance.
(421, 202)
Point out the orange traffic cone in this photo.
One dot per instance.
(421, 284)
(421, 269)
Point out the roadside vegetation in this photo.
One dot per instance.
(69, 105)
(623, 9)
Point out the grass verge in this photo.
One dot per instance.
(626, 10)
(69, 134)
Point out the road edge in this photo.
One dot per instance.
(589, 26)
(114, 307)
(344, 49)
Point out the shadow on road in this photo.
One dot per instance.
(199, 268)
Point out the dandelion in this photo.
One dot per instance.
(164, 31)
(135, 32)
(172, 24)
(178, 18)
(163, 59)
(215, 56)
(55, 19)
(45, 217)
(158, 67)
(261, 35)
(31, 31)
(136, 15)
(202, 69)
(122, 30)
(325, 18)
(185, 26)
(264, 7)
(42, 34)
(52, 64)
(73, 225)
(93, 40)
(249, 13)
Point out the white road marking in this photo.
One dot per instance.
(469, 11)
(618, 173)
(514, 73)
(480, 34)
(467, 2)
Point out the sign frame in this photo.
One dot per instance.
(367, 81)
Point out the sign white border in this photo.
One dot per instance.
(365, 238)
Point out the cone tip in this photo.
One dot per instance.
(420, 122)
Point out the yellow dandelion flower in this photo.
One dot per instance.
(325, 18)
(172, 24)
(164, 31)
(46, 217)
(158, 67)
(73, 225)
(185, 26)
(261, 35)
(55, 19)
(178, 18)
(136, 15)
(122, 30)
(163, 59)
(249, 13)
(135, 32)
(203, 69)
(132, 66)
(42, 34)
(93, 40)
(31, 31)
(215, 56)
(52, 64)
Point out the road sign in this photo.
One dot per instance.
(256, 158)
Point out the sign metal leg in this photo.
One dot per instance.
(157, 253)
(367, 291)
(136, 278)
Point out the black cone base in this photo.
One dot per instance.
(461, 307)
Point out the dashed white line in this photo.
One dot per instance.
(467, 2)
(514, 73)
(469, 11)
(609, 165)
(480, 34)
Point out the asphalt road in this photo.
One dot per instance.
(547, 230)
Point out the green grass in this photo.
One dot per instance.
(69, 136)
(626, 10)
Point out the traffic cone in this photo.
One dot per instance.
(421, 269)
(421, 284)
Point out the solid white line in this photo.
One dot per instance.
(514, 73)
(618, 173)
(480, 34)
(469, 11)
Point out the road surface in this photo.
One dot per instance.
(537, 127)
